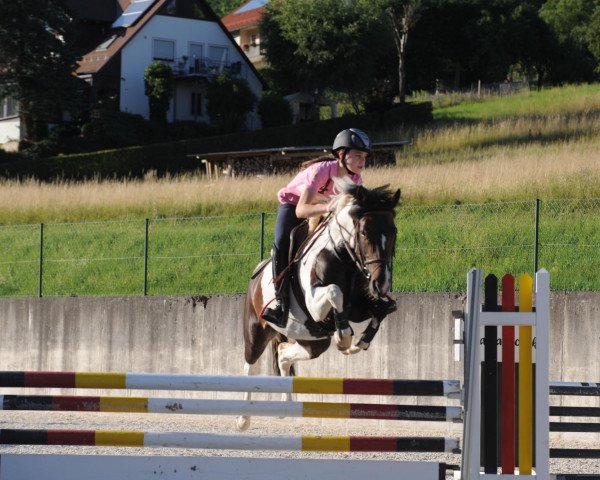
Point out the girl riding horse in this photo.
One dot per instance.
(307, 195)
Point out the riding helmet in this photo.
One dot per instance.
(352, 138)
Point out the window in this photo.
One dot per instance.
(163, 50)
(11, 107)
(254, 39)
(196, 104)
(106, 43)
(196, 50)
(218, 55)
(8, 107)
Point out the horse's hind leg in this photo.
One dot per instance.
(289, 353)
(257, 335)
(243, 421)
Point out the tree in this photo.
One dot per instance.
(158, 83)
(577, 26)
(532, 44)
(224, 7)
(37, 60)
(593, 36)
(229, 101)
(329, 44)
(274, 111)
(458, 42)
(402, 15)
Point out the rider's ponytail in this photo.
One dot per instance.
(324, 158)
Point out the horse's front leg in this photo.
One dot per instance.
(379, 310)
(366, 338)
(320, 301)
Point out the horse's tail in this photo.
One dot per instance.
(278, 340)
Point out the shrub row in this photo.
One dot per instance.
(171, 158)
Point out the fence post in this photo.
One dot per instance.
(146, 222)
(41, 260)
(536, 236)
(262, 235)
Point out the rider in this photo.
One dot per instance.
(303, 198)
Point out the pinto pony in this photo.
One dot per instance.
(340, 276)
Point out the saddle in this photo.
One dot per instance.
(297, 237)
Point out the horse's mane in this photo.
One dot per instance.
(363, 199)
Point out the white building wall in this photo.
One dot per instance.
(10, 130)
(137, 54)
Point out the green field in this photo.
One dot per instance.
(436, 246)
(469, 185)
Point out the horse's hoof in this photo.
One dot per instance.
(242, 423)
(345, 341)
(355, 349)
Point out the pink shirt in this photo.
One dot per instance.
(318, 178)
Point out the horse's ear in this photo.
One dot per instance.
(396, 198)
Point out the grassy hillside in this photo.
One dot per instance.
(469, 182)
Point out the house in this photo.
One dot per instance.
(119, 38)
(10, 124)
(243, 23)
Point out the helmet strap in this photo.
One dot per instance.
(345, 164)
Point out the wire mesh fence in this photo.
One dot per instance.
(435, 248)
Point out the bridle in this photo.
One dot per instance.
(358, 257)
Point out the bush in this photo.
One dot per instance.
(158, 83)
(6, 157)
(229, 100)
(185, 130)
(274, 111)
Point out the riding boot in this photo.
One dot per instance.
(277, 313)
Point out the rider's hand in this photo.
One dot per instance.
(331, 206)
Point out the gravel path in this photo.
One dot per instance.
(260, 426)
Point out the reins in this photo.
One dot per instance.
(359, 260)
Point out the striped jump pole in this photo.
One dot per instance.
(575, 388)
(231, 383)
(231, 407)
(116, 438)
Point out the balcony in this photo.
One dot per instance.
(252, 51)
(186, 67)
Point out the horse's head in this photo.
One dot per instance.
(367, 217)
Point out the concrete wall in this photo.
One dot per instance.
(203, 335)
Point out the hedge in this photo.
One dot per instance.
(135, 162)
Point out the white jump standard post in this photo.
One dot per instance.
(475, 321)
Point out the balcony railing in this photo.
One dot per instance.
(204, 67)
(253, 52)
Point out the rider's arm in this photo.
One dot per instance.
(306, 208)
